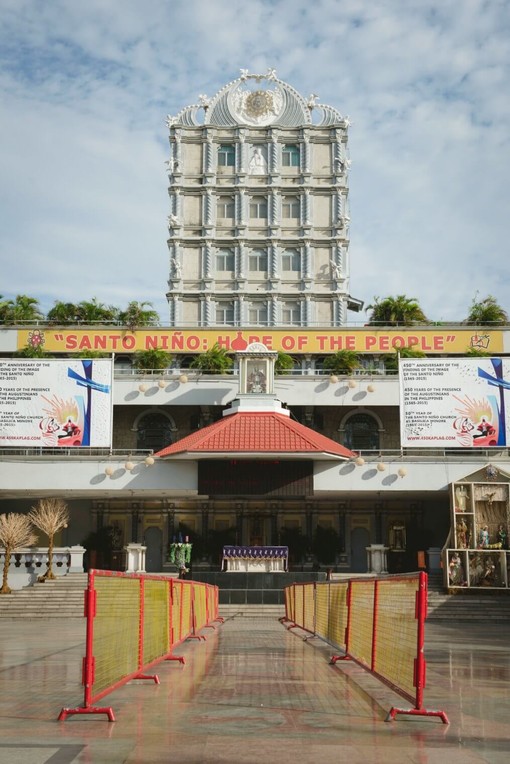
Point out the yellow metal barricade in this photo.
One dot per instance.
(396, 632)
(133, 621)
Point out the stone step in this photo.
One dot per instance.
(251, 611)
(62, 597)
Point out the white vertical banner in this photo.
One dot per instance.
(52, 403)
(454, 403)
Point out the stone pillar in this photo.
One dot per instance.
(207, 260)
(273, 260)
(76, 558)
(208, 208)
(208, 156)
(241, 204)
(241, 154)
(306, 208)
(305, 154)
(434, 559)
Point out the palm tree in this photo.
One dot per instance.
(49, 515)
(22, 309)
(342, 362)
(92, 311)
(155, 359)
(214, 361)
(486, 312)
(138, 314)
(63, 313)
(394, 311)
(284, 363)
(15, 533)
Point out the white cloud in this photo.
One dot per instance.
(85, 90)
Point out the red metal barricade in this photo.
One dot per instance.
(134, 621)
(383, 623)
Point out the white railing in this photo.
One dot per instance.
(27, 564)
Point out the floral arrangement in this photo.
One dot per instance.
(179, 552)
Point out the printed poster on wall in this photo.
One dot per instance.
(52, 403)
(454, 402)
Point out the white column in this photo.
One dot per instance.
(135, 558)
(376, 558)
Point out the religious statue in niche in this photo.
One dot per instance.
(336, 271)
(461, 498)
(397, 537)
(256, 381)
(489, 572)
(483, 537)
(177, 268)
(463, 534)
(502, 536)
(456, 575)
(258, 164)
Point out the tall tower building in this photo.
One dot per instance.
(259, 216)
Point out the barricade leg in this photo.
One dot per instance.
(194, 635)
(416, 712)
(90, 710)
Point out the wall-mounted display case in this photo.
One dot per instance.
(479, 555)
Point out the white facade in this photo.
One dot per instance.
(258, 238)
(259, 219)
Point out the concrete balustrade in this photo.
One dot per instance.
(27, 564)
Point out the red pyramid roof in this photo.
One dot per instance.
(256, 433)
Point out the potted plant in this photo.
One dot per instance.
(152, 360)
(342, 362)
(216, 360)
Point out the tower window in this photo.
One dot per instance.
(291, 207)
(225, 260)
(226, 155)
(225, 207)
(257, 313)
(291, 313)
(290, 155)
(258, 207)
(291, 260)
(225, 313)
(257, 260)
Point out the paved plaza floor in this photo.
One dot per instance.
(254, 692)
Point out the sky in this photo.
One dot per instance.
(85, 89)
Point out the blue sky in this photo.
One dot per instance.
(85, 89)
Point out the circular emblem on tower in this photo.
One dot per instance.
(259, 103)
(256, 106)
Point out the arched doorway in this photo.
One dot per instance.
(362, 432)
(154, 430)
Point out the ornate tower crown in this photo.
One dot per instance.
(258, 100)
